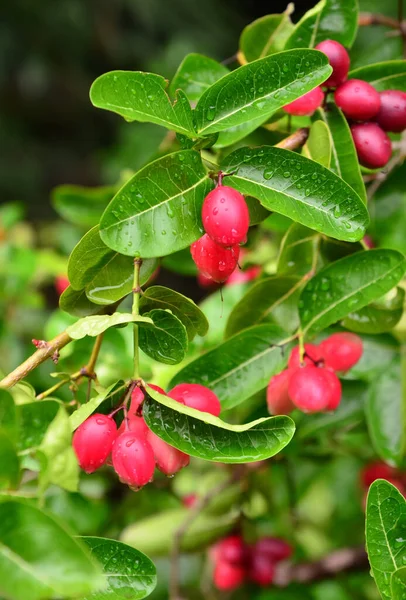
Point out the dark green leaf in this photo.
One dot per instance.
(159, 210)
(180, 262)
(257, 212)
(398, 584)
(348, 285)
(81, 205)
(332, 250)
(9, 462)
(34, 419)
(258, 89)
(298, 188)
(389, 75)
(233, 135)
(195, 74)
(298, 251)
(8, 414)
(266, 35)
(379, 316)
(217, 308)
(97, 324)
(76, 303)
(104, 403)
(379, 353)
(165, 339)
(318, 144)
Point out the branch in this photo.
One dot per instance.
(296, 140)
(366, 19)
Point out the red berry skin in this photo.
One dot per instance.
(244, 276)
(197, 396)
(306, 104)
(206, 282)
(169, 460)
(277, 395)
(232, 549)
(225, 216)
(309, 389)
(213, 260)
(335, 389)
(137, 397)
(133, 460)
(358, 100)
(157, 388)
(373, 146)
(338, 58)
(93, 441)
(275, 548)
(135, 424)
(189, 500)
(392, 114)
(262, 569)
(61, 283)
(342, 350)
(311, 357)
(227, 576)
(377, 470)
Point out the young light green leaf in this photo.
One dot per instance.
(298, 188)
(77, 304)
(398, 584)
(163, 337)
(389, 75)
(195, 74)
(81, 205)
(158, 211)
(266, 35)
(97, 324)
(9, 462)
(318, 144)
(139, 96)
(348, 285)
(379, 316)
(104, 403)
(258, 89)
(34, 418)
(298, 251)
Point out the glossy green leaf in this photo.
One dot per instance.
(318, 144)
(238, 368)
(195, 74)
(257, 212)
(97, 324)
(180, 262)
(139, 96)
(385, 533)
(163, 337)
(270, 300)
(344, 160)
(158, 211)
(128, 573)
(398, 584)
(379, 352)
(231, 136)
(208, 437)
(81, 205)
(77, 304)
(379, 316)
(298, 251)
(182, 307)
(266, 35)
(299, 188)
(217, 308)
(348, 285)
(104, 403)
(389, 75)
(39, 560)
(34, 418)
(22, 392)
(9, 462)
(258, 89)
(8, 414)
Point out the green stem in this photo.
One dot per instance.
(136, 312)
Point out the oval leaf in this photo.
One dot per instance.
(34, 418)
(389, 75)
(266, 35)
(9, 463)
(105, 403)
(318, 145)
(97, 324)
(163, 337)
(378, 317)
(81, 205)
(298, 251)
(195, 74)
(398, 584)
(77, 304)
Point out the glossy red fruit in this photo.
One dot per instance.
(135, 424)
(169, 460)
(206, 282)
(358, 100)
(133, 460)
(392, 114)
(225, 216)
(157, 388)
(137, 397)
(377, 470)
(373, 146)
(311, 357)
(189, 500)
(368, 241)
(277, 395)
(307, 104)
(61, 283)
(342, 350)
(275, 548)
(93, 441)
(197, 396)
(213, 260)
(338, 58)
(232, 549)
(228, 576)
(244, 276)
(334, 385)
(262, 569)
(310, 389)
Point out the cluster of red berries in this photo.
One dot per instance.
(380, 470)
(312, 385)
(236, 562)
(370, 113)
(133, 449)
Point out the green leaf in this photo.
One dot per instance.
(104, 403)
(329, 19)
(182, 307)
(180, 262)
(129, 574)
(240, 367)
(344, 160)
(266, 35)
(389, 75)
(39, 559)
(106, 275)
(379, 316)
(257, 212)
(34, 418)
(97, 324)
(158, 211)
(298, 188)
(22, 392)
(217, 308)
(8, 414)
(270, 300)
(398, 584)
(318, 145)
(81, 205)
(348, 285)
(139, 96)
(76, 303)
(208, 437)
(298, 251)
(195, 74)
(258, 89)
(163, 337)
(9, 462)
(385, 533)
(231, 136)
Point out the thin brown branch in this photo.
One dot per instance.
(296, 140)
(366, 19)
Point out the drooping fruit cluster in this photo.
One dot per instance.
(369, 112)
(312, 385)
(380, 470)
(236, 562)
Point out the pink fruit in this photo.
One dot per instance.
(373, 146)
(197, 396)
(342, 350)
(231, 549)
(275, 548)
(133, 460)
(262, 569)
(61, 283)
(93, 441)
(392, 113)
(311, 356)
(244, 276)
(169, 460)
(277, 396)
(358, 100)
(338, 58)
(306, 104)
(228, 576)
(309, 389)
(213, 260)
(135, 424)
(225, 216)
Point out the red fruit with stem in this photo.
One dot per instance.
(213, 260)
(311, 356)
(227, 576)
(137, 397)
(225, 216)
(231, 549)
(277, 395)
(342, 351)
(93, 441)
(244, 276)
(338, 58)
(377, 470)
(358, 100)
(306, 104)
(135, 424)
(262, 569)
(133, 460)
(310, 389)
(392, 114)
(197, 396)
(373, 146)
(275, 548)
(169, 460)
(61, 283)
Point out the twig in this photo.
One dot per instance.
(366, 19)
(296, 140)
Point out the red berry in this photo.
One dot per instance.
(135, 424)
(157, 388)
(197, 396)
(277, 396)
(275, 548)
(368, 241)
(225, 216)
(93, 441)
(307, 104)
(213, 260)
(358, 100)
(377, 470)
(310, 389)
(334, 385)
(137, 398)
(262, 569)
(169, 460)
(342, 350)
(311, 356)
(373, 146)
(133, 460)
(231, 549)
(338, 58)
(228, 576)
(61, 283)
(392, 114)
(243, 276)
(189, 500)
(206, 282)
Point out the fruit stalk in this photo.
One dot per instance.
(136, 312)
